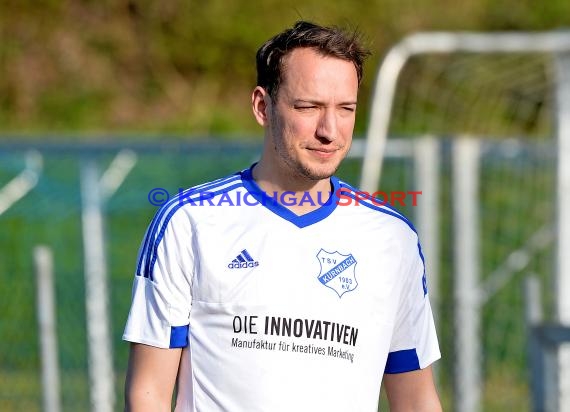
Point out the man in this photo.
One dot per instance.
(251, 304)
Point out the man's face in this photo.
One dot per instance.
(311, 121)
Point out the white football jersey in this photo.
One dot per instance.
(279, 312)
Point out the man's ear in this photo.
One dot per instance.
(260, 101)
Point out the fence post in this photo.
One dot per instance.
(562, 65)
(100, 358)
(426, 166)
(465, 185)
(43, 260)
(533, 317)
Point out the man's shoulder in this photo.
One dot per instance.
(211, 188)
(376, 203)
(184, 202)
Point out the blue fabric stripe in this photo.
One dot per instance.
(384, 204)
(179, 336)
(155, 224)
(158, 217)
(153, 254)
(396, 215)
(145, 256)
(424, 278)
(217, 183)
(384, 208)
(142, 254)
(402, 361)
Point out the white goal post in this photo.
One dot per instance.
(555, 43)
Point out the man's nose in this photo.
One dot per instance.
(327, 127)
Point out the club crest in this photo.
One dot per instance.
(337, 271)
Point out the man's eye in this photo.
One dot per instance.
(305, 107)
(349, 108)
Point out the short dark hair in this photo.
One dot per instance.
(328, 41)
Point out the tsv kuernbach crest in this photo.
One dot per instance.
(337, 271)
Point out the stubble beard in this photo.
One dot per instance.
(313, 174)
(296, 166)
(304, 170)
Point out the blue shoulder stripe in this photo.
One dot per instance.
(217, 182)
(155, 223)
(384, 204)
(392, 212)
(152, 256)
(384, 209)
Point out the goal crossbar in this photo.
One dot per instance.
(437, 42)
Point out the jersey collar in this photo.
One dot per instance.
(276, 207)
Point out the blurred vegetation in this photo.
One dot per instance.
(187, 67)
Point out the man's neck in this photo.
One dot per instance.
(304, 195)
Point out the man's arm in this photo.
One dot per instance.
(412, 391)
(151, 376)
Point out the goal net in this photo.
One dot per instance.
(493, 104)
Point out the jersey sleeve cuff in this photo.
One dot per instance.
(402, 361)
(178, 338)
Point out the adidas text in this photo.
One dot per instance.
(242, 265)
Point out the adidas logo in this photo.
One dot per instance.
(243, 260)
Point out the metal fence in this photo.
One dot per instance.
(47, 190)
